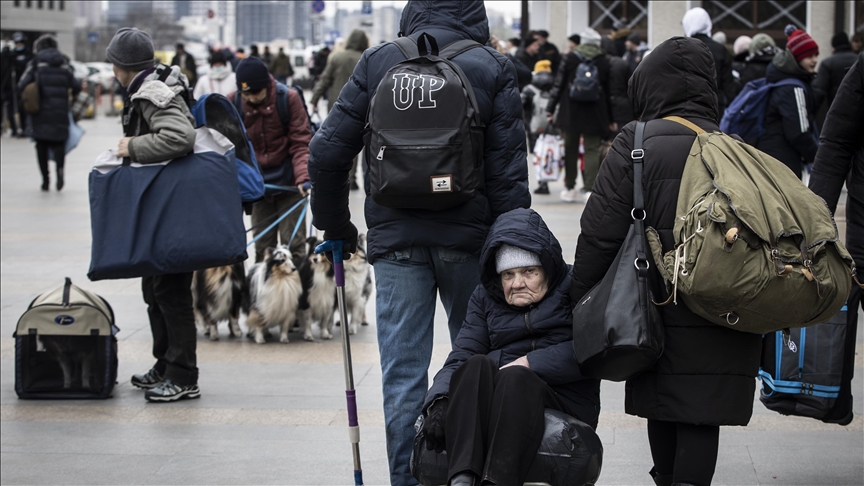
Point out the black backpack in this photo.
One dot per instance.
(424, 137)
(586, 83)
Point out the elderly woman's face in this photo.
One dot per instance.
(524, 286)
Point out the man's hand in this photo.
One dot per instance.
(348, 235)
(304, 188)
(551, 117)
(433, 426)
(123, 147)
(522, 361)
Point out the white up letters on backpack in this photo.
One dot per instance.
(406, 84)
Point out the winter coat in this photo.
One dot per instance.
(157, 117)
(829, 76)
(281, 67)
(590, 118)
(841, 158)
(523, 73)
(273, 147)
(223, 83)
(788, 132)
(187, 66)
(340, 65)
(619, 77)
(543, 331)
(549, 52)
(505, 182)
(707, 372)
(727, 86)
(54, 78)
(633, 58)
(17, 60)
(528, 60)
(756, 65)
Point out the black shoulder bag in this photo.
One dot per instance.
(617, 332)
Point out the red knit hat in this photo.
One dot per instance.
(799, 43)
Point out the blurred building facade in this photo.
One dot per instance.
(35, 18)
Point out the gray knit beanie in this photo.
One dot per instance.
(131, 49)
(509, 256)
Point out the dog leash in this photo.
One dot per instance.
(304, 202)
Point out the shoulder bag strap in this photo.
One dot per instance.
(407, 46)
(637, 156)
(686, 123)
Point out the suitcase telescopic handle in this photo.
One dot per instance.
(66, 288)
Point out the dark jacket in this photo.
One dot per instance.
(706, 374)
(189, 68)
(526, 59)
(273, 147)
(549, 52)
(16, 60)
(590, 118)
(828, 78)
(619, 77)
(523, 72)
(50, 69)
(756, 65)
(726, 84)
(543, 331)
(280, 66)
(340, 138)
(841, 158)
(789, 135)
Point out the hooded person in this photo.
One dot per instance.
(592, 121)
(761, 52)
(412, 251)
(49, 127)
(523, 279)
(706, 375)
(219, 79)
(697, 24)
(158, 126)
(789, 129)
(831, 73)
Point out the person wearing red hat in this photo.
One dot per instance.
(789, 132)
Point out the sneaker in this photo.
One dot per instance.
(168, 391)
(543, 188)
(572, 196)
(148, 380)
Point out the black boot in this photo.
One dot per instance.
(660, 479)
(45, 183)
(466, 478)
(60, 181)
(543, 188)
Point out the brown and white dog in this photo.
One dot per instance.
(319, 293)
(358, 285)
(274, 294)
(217, 294)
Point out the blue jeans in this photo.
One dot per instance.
(406, 282)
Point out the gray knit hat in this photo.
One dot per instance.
(509, 256)
(131, 49)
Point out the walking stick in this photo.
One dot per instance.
(335, 246)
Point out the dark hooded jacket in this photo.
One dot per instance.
(789, 134)
(619, 79)
(50, 68)
(340, 65)
(590, 118)
(706, 374)
(505, 185)
(829, 76)
(727, 85)
(841, 158)
(542, 331)
(756, 65)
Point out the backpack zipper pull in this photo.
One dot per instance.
(381, 153)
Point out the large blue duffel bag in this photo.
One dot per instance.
(173, 217)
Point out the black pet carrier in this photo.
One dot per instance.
(65, 346)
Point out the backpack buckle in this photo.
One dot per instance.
(637, 154)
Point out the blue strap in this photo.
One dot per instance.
(300, 220)
(797, 387)
(279, 220)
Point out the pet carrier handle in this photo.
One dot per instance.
(334, 246)
(66, 288)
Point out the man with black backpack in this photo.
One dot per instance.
(278, 125)
(446, 155)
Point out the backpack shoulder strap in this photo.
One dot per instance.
(686, 123)
(455, 48)
(282, 106)
(238, 104)
(408, 47)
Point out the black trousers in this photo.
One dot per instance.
(44, 151)
(495, 421)
(683, 452)
(172, 322)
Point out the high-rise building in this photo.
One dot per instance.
(264, 21)
(118, 12)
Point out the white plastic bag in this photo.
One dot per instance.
(548, 157)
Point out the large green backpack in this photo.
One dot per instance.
(755, 249)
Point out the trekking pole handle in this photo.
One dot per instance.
(335, 247)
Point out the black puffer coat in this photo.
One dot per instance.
(756, 65)
(592, 118)
(505, 184)
(543, 331)
(55, 79)
(789, 118)
(727, 85)
(707, 372)
(841, 158)
(619, 78)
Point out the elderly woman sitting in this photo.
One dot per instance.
(512, 359)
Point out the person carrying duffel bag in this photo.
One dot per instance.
(158, 127)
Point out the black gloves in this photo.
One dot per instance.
(348, 235)
(433, 426)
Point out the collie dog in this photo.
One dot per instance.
(319, 293)
(217, 294)
(358, 285)
(274, 294)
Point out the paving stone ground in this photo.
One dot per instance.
(274, 413)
